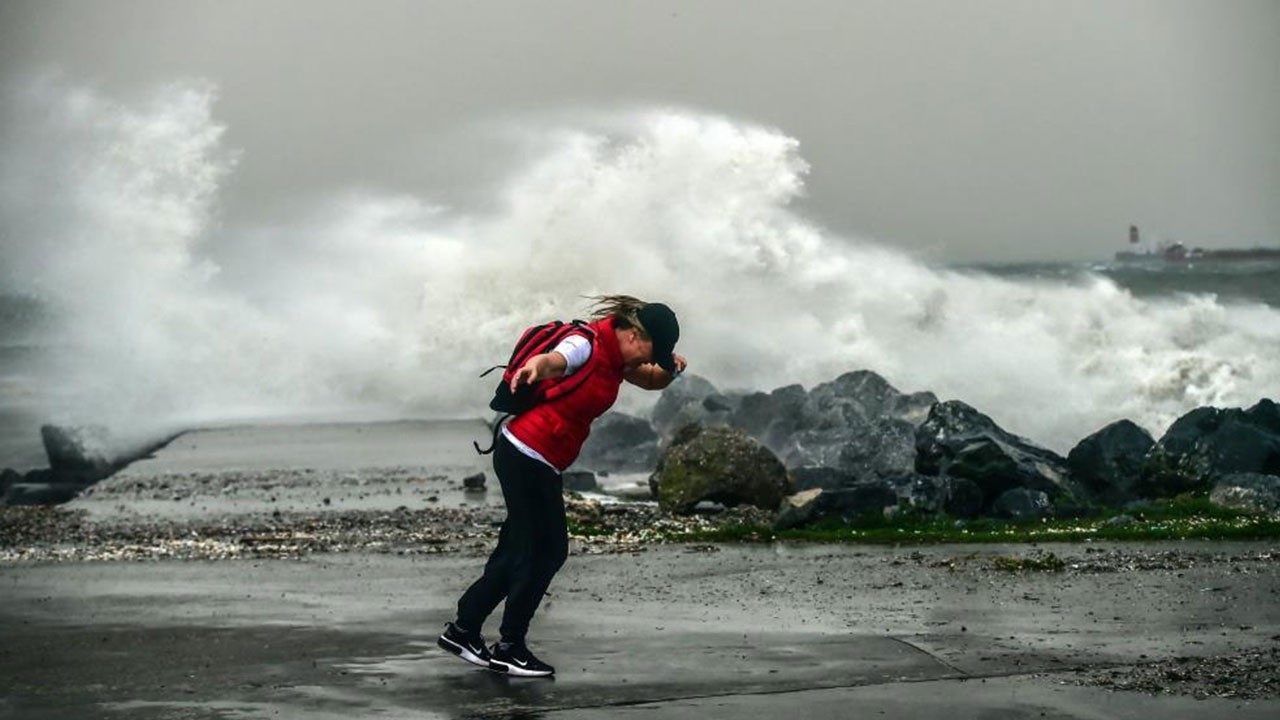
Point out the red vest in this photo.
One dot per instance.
(557, 429)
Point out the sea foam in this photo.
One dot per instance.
(377, 304)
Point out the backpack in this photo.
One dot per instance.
(535, 340)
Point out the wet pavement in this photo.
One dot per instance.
(706, 632)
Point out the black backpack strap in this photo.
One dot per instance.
(497, 428)
(495, 367)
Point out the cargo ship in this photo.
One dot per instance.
(1178, 253)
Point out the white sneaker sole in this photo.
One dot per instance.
(511, 669)
(461, 651)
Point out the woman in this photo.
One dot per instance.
(633, 341)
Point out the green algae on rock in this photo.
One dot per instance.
(720, 464)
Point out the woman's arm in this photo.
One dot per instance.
(651, 377)
(539, 367)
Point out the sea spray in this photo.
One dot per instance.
(378, 304)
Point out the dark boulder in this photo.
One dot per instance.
(964, 499)
(718, 403)
(809, 477)
(579, 481)
(1251, 492)
(868, 500)
(719, 464)
(41, 493)
(78, 454)
(771, 417)
(1108, 463)
(911, 407)
(843, 423)
(924, 493)
(956, 497)
(1022, 504)
(691, 399)
(798, 509)
(883, 448)
(619, 443)
(1208, 443)
(8, 477)
(958, 441)
(36, 487)
(860, 397)
(474, 483)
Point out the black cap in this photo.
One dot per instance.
(661, 325)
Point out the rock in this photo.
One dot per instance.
(1209, 442)
(42, 476)
(78, 458)
(580, 510)
(689, 400)
(9, 477)
(964, 499)
(1119, 521)
(1108, 463)
(860, 397)
(1251, 492)
(77, 454)
(474, 483)
(798, 509)
(637, 492)
(863, 500)
(817, 476)
(847, 423)
(720, 464)
(959, 441)
(885, 448)
(1022, 504)
(580, 481)
(771, 417)
(850, 504)
(620, 443)
(911, 407)
(957, 497)
(41, 493)
(717, 403)
(924, 493)
(685, 434)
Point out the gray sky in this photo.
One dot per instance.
(987, 130)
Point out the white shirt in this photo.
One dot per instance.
(576, 350)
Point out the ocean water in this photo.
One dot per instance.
(127, 299)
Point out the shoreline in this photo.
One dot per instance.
(42, 534)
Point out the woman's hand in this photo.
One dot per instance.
(524, 376)
(652, 377)
(539, 367)
(681, 363)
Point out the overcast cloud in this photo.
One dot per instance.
(991, 130)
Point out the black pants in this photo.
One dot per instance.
(532, 545)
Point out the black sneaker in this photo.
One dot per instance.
(515, 659)
(468, 647)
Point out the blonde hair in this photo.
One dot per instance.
(622, 308)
